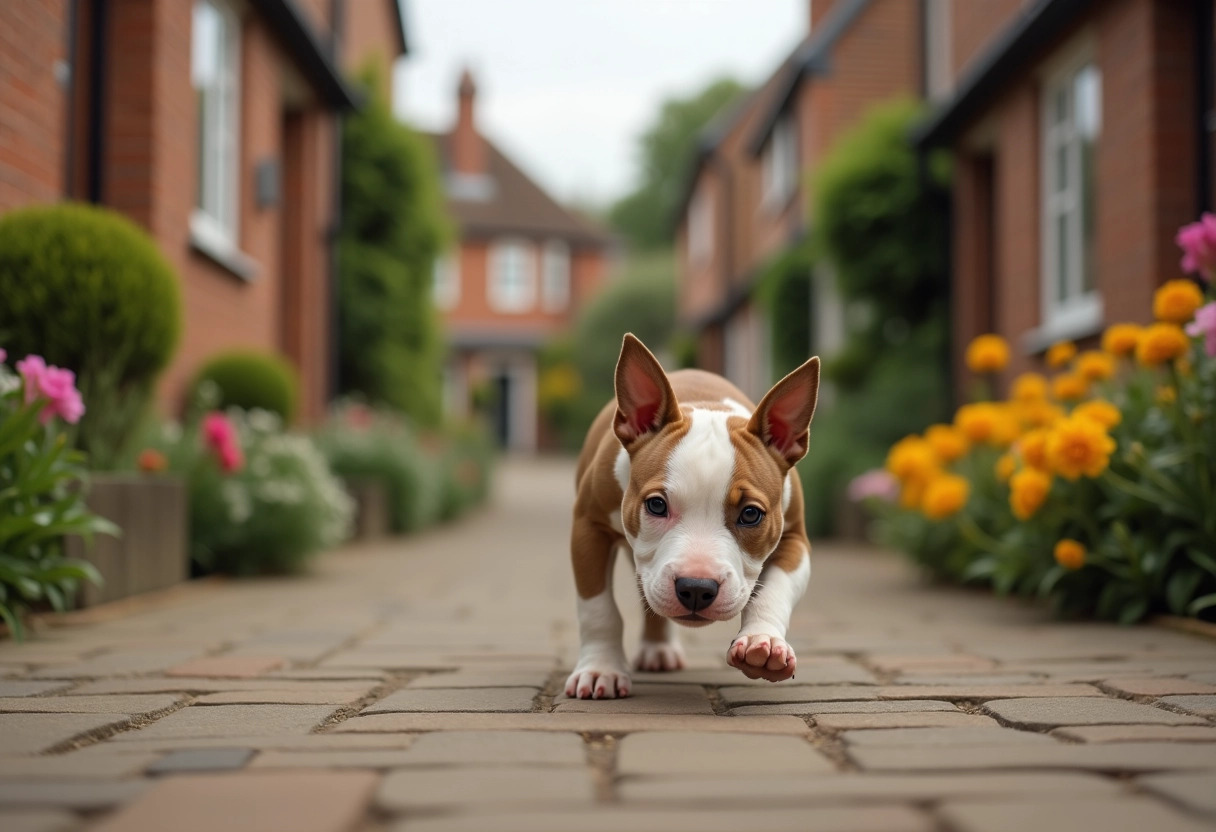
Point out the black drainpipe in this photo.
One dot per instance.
(337, 15)
(69, 145)
(1205, 118)
(97, 77)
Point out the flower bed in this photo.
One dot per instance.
(1094, 488)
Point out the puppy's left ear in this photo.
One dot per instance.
(783, 419)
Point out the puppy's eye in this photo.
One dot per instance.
(656, 506)
(750, 516)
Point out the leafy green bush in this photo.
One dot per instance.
(786, 286)
(467, 462)
(88, 290)
(251, 380)
(393, 228)
(41, 500)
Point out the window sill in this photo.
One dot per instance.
(1078, 323)
(228, 258)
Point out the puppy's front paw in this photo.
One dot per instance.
(599, 679)
(762, 657)
(660, 655)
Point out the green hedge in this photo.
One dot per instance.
(249, 379)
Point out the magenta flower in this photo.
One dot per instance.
(1198, 243)
(56, 385)
(1205, 325)
(3, 355)
(876, 483)
(220, 435)
(231, 458)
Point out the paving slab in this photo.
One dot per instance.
(907, 719)
(1167, 686)
(645, 698)
(498, 748)
(31, 733)
(94, 762)
(858, 788)
(1046, 712)
(815, 708)
(282, 697)
(272, 742)
(86, 704)
(607, 723)
(985, 691)
(228, 667)
(203, 759)
(1137, 733)
(37, 820)
(1123, 814)
(75, 794)
(1195, 792)
(28, 687)
(1204, 704)
(157, 684)
(474, 700)
(249, 801)
(608, 819)
(924, 737)
(367, 759)
(1114, 757)
(118, 663)
(691, 752)
(232, 721)
(483, 679)
(773, 693)
(413, 790)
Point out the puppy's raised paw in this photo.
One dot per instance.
(762, 657)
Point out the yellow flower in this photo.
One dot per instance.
(1077, 446)
(1176, 301)
(1033, 449)
(1101, 411)
(948, 442)
(944, 496)
(1061, 353)
(1167, 394)
(911, 491)
(987, 354)
(1028, 489)
(1069, 386)
(1008, 425)
(1070, 553)
(978, 422)
(1120, 339)
(1095, 366)
(1160, 343)
(1038, 414)
(911, 458)
(1005, 467)
(1029, 387)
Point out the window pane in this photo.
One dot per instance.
(1060, 112)
(1088, 95)
(1061, 163)
(1063, 237)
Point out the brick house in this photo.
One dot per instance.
(214, 125)
(1081, 137)
(522, 267)
(747, 199)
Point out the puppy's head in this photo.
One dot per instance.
(705, 487)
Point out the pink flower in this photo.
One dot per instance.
(231, 458)
(359, 417)
(876, 483)
(1198, 243)
(3, 355)
(218, 430)
(1205, 324)
(56, 385)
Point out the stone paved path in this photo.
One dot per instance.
(415, 686)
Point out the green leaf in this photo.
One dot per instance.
(1201, 603)
(1181, 588)
(12, 618)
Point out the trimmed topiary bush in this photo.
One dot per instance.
(89, 291)
(249, 379)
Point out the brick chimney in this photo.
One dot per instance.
(468, 149)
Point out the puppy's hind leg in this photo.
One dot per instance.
(661, 648)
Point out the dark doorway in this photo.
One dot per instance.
(501, 413)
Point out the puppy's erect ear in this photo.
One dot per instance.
(783, 419)
(644, 398)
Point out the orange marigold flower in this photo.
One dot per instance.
(1101, 411)
(1078, 446)
(151, 461)
(1069, 386)
(1176, 301)
(1033, 449)
(1060, 354)
(1028, 490)
(911, 458)
(1038, 414)
(1120, 339)
(911, 491)
(944, 496)
(1005, 466)
(978, 422)
(948, 442)
(1095, 366)
(1160, 343)
(1008, 425)
(1029, 387)
(1070, 553)
(987, 354)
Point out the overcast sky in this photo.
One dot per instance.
(566, 86)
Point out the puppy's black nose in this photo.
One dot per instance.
(696, 593)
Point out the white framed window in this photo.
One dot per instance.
(779, 160)
(512, 276)
(1071, 125)
(555, 276)
(446, 286)
(215, 72)
(701, 225)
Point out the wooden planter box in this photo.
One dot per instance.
(371, 508)
(153, 551)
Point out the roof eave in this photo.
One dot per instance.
(1004, 59)
(296, 34)
(402, 34)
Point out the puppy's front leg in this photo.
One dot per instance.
(760, 649)
(602, 671)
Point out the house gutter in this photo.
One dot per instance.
(69, 149)
(338, 16)
(96, 109)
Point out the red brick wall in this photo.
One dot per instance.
(973, 25)
(370, 34)
(32, 102)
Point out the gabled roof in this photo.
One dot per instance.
(1003, 61)
(284, 18)
(812, 58)
(511, 203)
(403, 40)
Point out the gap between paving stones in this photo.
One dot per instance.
(393, 683)
(1147, 699)
(105, 732)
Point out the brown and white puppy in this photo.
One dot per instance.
(696, 483)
